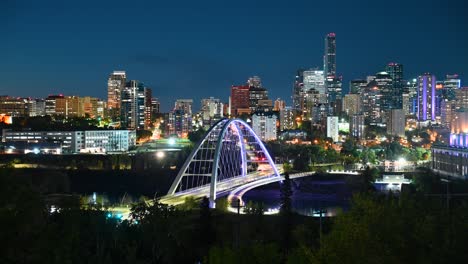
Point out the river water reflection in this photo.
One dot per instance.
(309, 196)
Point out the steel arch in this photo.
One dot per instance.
(229, 155)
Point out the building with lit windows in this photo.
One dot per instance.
(352, 104)
(287, 118)
(133, 105)
(426, 104)
(239, 101)
(184, 105)
(329, 58)
(332, 128)
(108, 141)
(69, 142)
(264, 124)
(396, 122)
(357, 127)
(15, 107)
(115, 85)
(50, 104)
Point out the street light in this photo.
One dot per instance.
(160, 155)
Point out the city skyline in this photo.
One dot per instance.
(201, 60)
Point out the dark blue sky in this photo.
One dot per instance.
(196, 49)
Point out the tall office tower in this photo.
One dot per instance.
(371, 102)
(411, 87)
(395, 70)
(155, 106)
(314, 94)
(148, 107)
(256, 95)
(115, 84)
(385, 83)
(50, 103)
(184, 105)
(132, 107)
(239, 100)
(426, 107)
(332, 128)
(448, 109)
(279, 105)
(211, 109)
(357, 127)
(357, 86)
(329, 58)
(352, 104)
(334, 94)
(254, 81)
(405, 103)
(396, 122)
(298, 98)
(287, 118)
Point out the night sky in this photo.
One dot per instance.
(197, 49)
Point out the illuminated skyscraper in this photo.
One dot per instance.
(115, 85)
(426, 98)
(395, 70)
(329, 58)
(133, 105)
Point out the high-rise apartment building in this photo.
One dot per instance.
(357, 127)
(287, 118)
(426, 104)
(211, 109)
(184, 105)
(264, 125)
(115, 85)
(132, 105)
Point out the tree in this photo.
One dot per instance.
(285, 196)
(196, 136)
(286, 214)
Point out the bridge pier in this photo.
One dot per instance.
(212, 204)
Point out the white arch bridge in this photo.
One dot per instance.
(229, 160)
(230, 155)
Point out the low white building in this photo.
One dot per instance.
(91, 141)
